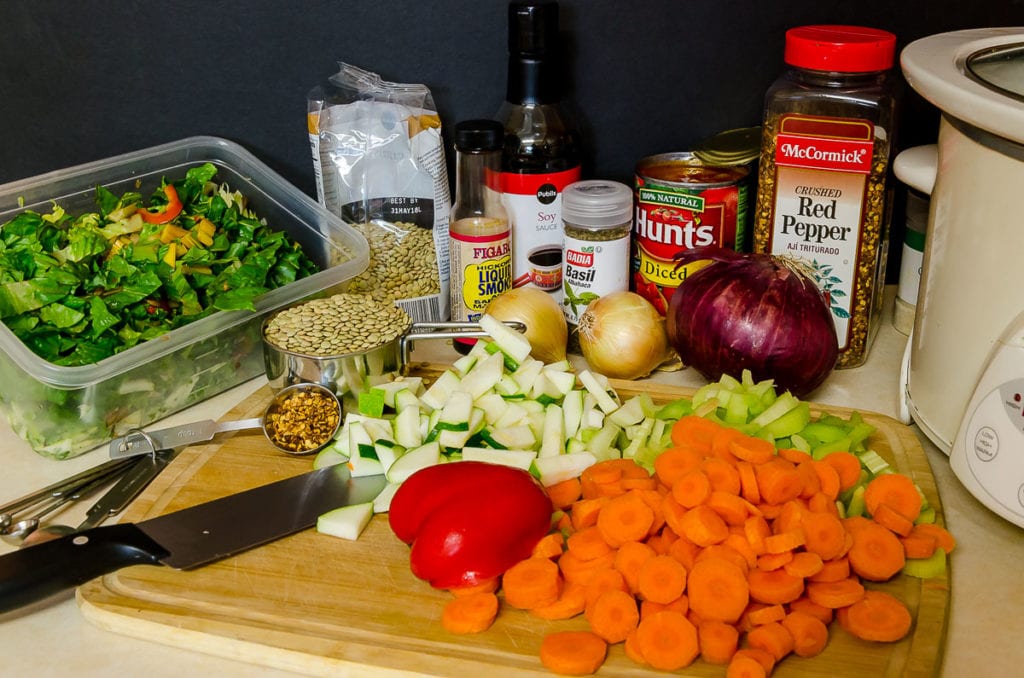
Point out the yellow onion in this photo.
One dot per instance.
(623, 336)
(546, 328)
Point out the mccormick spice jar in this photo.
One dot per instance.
(682, 203)
(823, 195)
(597, 217)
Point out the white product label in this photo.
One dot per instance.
(910, 274)
(590, 270)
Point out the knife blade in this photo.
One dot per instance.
(183, 539)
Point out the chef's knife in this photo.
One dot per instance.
(184, 539)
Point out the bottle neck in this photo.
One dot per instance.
(532, 80)
(476, 174)
(836, 79)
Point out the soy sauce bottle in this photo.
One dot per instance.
(541, 151)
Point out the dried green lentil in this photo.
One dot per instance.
(337, 325)
(403, 262)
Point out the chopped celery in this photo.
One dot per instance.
(676, 409)
(874, 463)
(855, 505)
(926, 568)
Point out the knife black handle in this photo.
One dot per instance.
(38, 572)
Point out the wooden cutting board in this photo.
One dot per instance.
(321, 605)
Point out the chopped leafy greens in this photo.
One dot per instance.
(78, 289)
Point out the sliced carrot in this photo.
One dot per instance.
(692, 488)
(828, 478)
(876, 554)
(824, 534)
(573, 653)
(819, 502)
(550, 546)
(804, 564)
(703, 526)
(668, 640)
(624, 518)
(662, 579)
(564, 493)
(605, 471)
(742, 665)
(918, 545)
(752, 449)
(534, 582)
(580, 571)
(571, 602)
(725, 552)
(773, 561)
(789, 517)
(778, 481)
(773, 638)
(604, 580)
(808, 606)
(632, 649)
(794, 455)
(878, 616)
(896, 491)
(748, 482)
(810, 634)
(762, 657)
(764, 614)
(835, 594)
(471, 613)
(774, 586)
(723, 476)
(784, 541)
(653, 498)
(695, 431)
(756, 529)
(680, 605)
(718, 590)
(888, 517)
(733, 508)
(671, 464)
(847, 466)
(629, 558)
(718, 641)
(585, 511)
(588, 543)
(613, 615)
(943, 538)
(738, 543)
(685, 551)
(832, 570)
(809, 477)
(721, 444)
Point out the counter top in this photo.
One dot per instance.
(985, 627)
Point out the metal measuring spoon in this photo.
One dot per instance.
(19, 531)
(146, 442)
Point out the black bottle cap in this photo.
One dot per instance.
(479, 135)
(532, 27)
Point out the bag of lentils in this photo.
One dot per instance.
(378, 156)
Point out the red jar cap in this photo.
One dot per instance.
(841, 49)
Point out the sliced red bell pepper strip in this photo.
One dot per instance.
(171, 210)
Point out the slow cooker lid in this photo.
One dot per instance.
(975, 76)
(1000, 68)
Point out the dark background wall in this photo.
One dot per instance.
(81, 81)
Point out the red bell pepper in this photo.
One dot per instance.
(171, 210)
(468, 521)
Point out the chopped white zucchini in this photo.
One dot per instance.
(553, 440)
(329, 457)
(511, 342)
(561, 467)
(382, 502)
(347, 522)
(485, 374)
(437, 394)
(515, 458)
(593, 385)
(515, 437)
(428, 454)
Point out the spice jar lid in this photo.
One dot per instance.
(597, 203)
(842, 49)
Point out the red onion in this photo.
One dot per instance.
(753, 311)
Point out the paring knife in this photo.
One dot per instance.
(184, 539)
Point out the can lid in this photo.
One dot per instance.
(479, 135)
(731, 147)
(597, 203)
(841, 49)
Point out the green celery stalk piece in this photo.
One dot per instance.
(855, 506)
(783, 404)
(818, 432)
(675, 409)
(792, 422)
(927, 515)
(800, 443)
(823, 450)
(874, 463)
(926, 568)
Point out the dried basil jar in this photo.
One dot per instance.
(823, 190)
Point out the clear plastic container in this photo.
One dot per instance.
(823, 190)
(65, 411)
